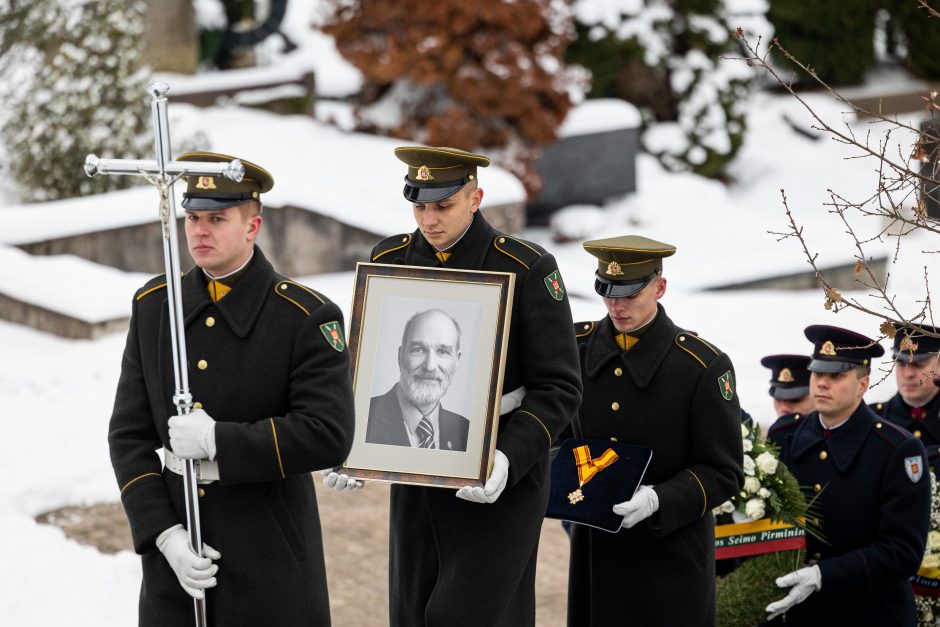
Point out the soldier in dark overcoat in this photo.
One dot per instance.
(866, 481)
(268, 372)
(789, 383)
(649, 382)
(916, 405)
(472, 562)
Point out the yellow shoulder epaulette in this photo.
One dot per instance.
(700, 350)
(583, 329)
(155, 284)
(389, 245)
(302, 297)
(523, 252)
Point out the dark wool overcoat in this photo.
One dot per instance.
(872, 498)
(261, 364)
(454, 562)
(674, 393)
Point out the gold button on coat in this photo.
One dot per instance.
(615, 405)
(197, 405)
(201, 492)
(823, 454)
(817, 488)
(817, 556)
(202, 364)
(210, 321)
(618, 372)
(917, 434)
(613, 439)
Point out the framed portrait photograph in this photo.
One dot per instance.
(427, 349)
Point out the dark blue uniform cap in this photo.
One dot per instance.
(836, 349)
(789, 377)
(910, 346)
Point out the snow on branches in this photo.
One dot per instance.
(72, 84)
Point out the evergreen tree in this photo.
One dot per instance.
(72, 84)
(666, 58)
(834, 36)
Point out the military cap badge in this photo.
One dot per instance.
(828, 348)
(907, 344)
(785, 376)
(206, 182)
(613, 269)
(424, 174)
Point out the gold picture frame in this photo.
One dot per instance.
(423, 338)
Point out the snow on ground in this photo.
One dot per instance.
(56, 394)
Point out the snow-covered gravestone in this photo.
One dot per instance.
(593, 160)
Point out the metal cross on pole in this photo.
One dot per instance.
(163, 173)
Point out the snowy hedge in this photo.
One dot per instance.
(665, 56)
(71, 83)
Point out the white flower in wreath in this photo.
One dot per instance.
(933, 540)
(767, 463)
(748, 465)
(744, 432)
(727, 507)
(763, 493)
(748, 446)
(931, 561)
(751, 485)
(755, 508)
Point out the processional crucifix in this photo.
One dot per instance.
(162, 173)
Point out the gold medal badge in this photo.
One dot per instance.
(588, 467)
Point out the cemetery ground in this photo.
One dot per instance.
(355, 542)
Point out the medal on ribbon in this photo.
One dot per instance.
(588, 467)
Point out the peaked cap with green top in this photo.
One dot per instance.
(437, 173)
(626, 263)
(211, 193)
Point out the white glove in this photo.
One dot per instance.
(336, 481)
(511, 400)
(494, 485)
(192, 436)
(805, 581)
(644, 504)
(195, 573)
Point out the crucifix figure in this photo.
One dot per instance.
(163, 173)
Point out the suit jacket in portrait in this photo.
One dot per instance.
(387, 426)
